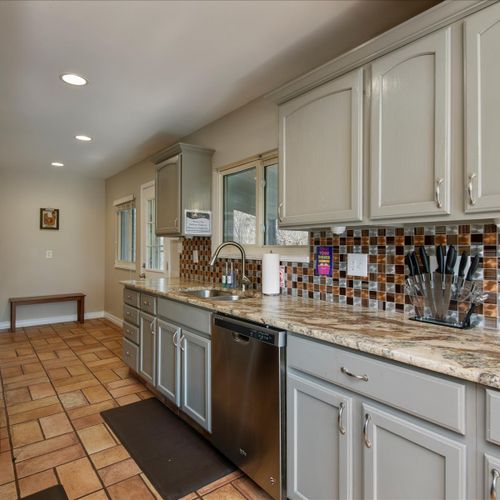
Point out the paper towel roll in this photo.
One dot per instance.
(271, 274)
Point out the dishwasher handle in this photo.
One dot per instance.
(241, 339)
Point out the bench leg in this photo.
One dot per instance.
(12, 317)
(81, 310)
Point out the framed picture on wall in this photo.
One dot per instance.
(49, 218)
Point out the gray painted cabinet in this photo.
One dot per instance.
(320, 164)
(482, 102)
(183, 182)
(402, 460)
(147, 347)
(169, 362)
(410, 130)
(196, 380)
(319, 430)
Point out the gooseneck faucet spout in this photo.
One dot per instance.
(244, 280)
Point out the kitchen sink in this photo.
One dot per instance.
(215, 294)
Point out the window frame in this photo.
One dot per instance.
(123, 264)
(295, 253)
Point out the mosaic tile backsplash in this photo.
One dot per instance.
(384, 287)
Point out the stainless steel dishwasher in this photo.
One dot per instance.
(248, 399)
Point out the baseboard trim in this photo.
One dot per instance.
(20, 323)
(114, 319)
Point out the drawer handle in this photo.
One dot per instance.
(129, 297)
(493, 490)
(127, 313)
(174, 337)
(341, 412)
(470, 189)
(345, 371)
(183, 346)
(127, 353)
(368, 443)
(439, 181)
(146, 303)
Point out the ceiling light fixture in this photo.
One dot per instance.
(57, 164)
(73, 79)
(84, 138)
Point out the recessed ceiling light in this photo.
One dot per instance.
(73, 79)
(57, 164)
(84, 138)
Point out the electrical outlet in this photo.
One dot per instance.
(48, 254)
(357, 264)
(195, 256)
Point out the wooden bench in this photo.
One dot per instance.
(44, 299)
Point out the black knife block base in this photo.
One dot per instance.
(459, 326)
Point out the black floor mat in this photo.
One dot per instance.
(174, 457)
(53, 493)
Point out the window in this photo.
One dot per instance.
(126, 233)
(153, 256)
(250, 206)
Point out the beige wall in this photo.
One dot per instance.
(245, 132)
(78, 247)
(127, 182)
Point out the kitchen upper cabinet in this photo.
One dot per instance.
(196, 371)
(410, 130)
(147, 347)
(183, 182)
(482, 113)
(320, 425)
(169, 362)
(406, 461)
(320, 146)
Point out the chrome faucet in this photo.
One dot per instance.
(244, 280)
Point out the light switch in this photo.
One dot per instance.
(48, 254)
(357, 264)
(195, 256)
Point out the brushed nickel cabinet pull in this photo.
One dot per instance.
(280, 212)
(368, 443)
(493, 490)
(152, 327)
(183, 346)
(174, 337)
(176, 222)
(470, 189)
(344, 370)
(341, 412)
(439, 181)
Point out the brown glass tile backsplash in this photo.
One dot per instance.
(384, 287)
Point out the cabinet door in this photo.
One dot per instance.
(168, 374)
(410, 130)
(319, 455)
(405, 461)
(482, 101)
(491, 477)
(196, 390)
(168, 196)
(147, 347)
(321, 154)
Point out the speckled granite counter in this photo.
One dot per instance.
(472, 355)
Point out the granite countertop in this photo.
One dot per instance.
(472, 355)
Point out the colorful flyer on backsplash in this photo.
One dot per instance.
(324, 261)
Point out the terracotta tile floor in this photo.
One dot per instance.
(55, 380)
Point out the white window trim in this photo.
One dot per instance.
(119, 264)
(159, 272)
(255, 252)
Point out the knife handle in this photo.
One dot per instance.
(425, 259)
(463, 264)
(409, 263)
(414, 261)
(440, 259)
(473, 267)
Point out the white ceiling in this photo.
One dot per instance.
(157, 70)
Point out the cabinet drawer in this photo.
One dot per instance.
(131, 315)
(148, 303)
(131, 297)
(493, 416)
(130, 354)
(131, 332)
(429, 397)
(190, 316)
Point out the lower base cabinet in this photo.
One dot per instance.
(319, 429)
(183, 370)
(147, 347)
(402, 460)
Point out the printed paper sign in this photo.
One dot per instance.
(324, 261)
(197, 222)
